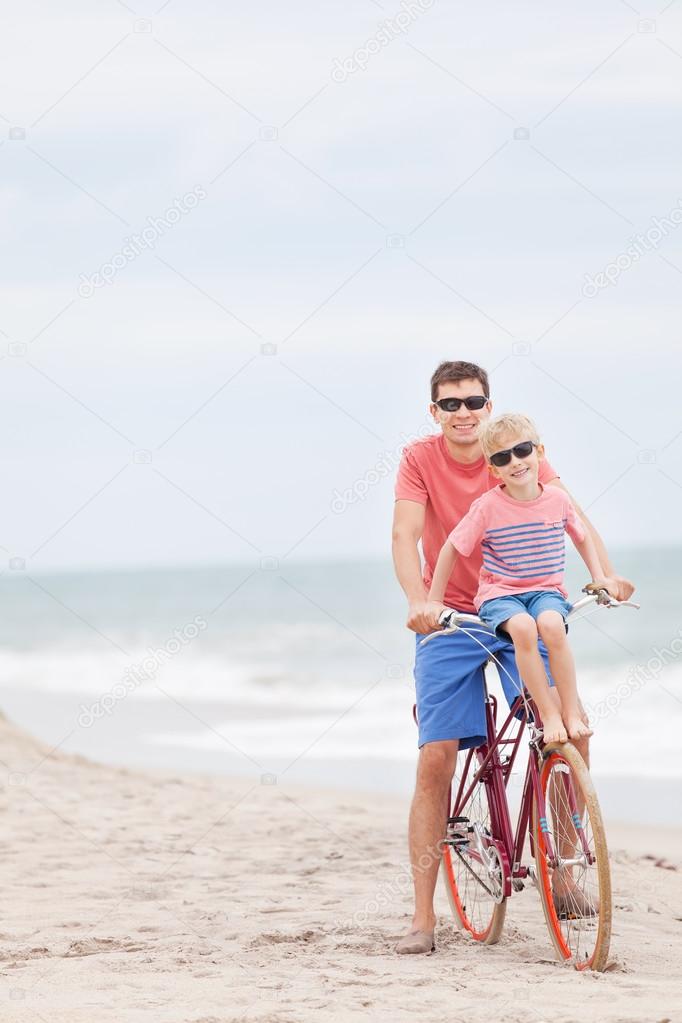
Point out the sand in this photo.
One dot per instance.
(138, 896)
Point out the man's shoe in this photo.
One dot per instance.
(416, 942)
(574, 905)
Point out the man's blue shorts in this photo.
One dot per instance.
(448, 673)
(499, 609)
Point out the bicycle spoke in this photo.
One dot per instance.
(474, 887)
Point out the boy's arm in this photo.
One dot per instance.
(442, 572)
(624, 588)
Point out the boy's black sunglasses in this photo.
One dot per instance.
(521, 450)
(475, 403)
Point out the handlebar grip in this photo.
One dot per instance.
(604, 597)
(600, 592)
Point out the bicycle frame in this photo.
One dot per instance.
(495, 770)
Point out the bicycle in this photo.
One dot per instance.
(481, 857)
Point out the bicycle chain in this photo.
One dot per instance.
(475, 875)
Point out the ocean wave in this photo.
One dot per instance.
(262, 678)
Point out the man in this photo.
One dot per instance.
(438, 479)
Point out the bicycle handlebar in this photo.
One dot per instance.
(451, 620)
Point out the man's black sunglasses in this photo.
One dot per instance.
(521, 450)
(475, 403)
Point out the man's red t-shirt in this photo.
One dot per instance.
(429, 475)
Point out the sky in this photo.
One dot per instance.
(239, 238)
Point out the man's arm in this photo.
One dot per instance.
(588, 552)
(624, 588)
(408, 526)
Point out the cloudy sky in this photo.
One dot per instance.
(332, 198)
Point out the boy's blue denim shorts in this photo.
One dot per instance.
(448, 674)
(499, 609)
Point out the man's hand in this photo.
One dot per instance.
(423, 616)
(624, 588)
(619, 588)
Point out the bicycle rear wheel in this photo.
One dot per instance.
(475, 889)
(575, 886)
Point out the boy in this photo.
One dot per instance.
(520, 526)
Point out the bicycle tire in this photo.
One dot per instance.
(579, 938)
(474, 908)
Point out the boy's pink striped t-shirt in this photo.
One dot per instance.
(521, 542)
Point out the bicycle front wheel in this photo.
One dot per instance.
(474, 888)
(572, 861)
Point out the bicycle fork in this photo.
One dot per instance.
(554, 859)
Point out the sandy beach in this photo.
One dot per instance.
(138, 896)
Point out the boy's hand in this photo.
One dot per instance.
(423, 616)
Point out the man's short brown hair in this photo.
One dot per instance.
(452, 372)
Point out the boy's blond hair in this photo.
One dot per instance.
(510, 423)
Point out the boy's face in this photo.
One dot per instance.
(519, 470)
(460, 426)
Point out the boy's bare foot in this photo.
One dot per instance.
(553, 729)
(577, 729)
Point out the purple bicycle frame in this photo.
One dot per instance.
(494, 771)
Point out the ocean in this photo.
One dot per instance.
(303, 672)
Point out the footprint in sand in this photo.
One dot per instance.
(25, 953)
(93, 946)
(277, 938)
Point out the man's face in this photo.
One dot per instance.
(460, 427)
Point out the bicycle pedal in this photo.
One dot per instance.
(458, 831)
(457, 841)
(517, 884)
